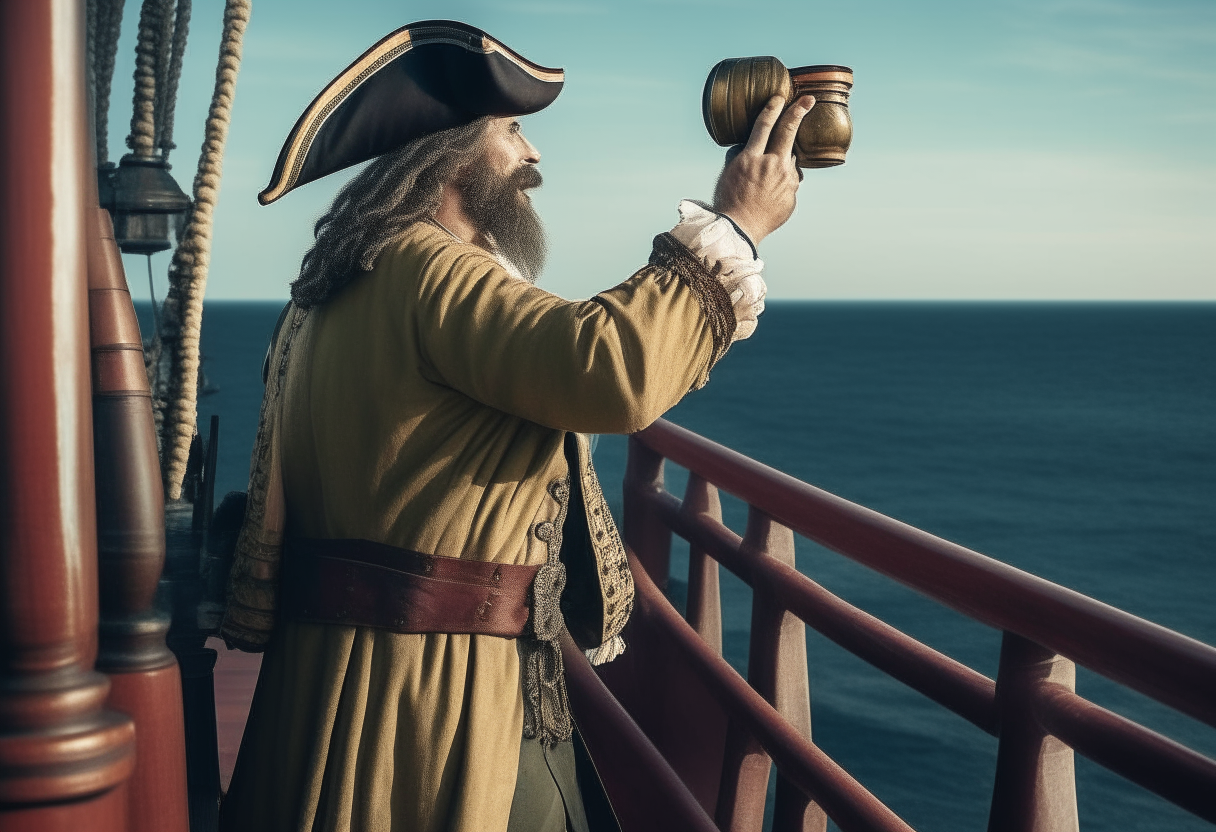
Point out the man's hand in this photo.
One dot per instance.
(759, 186)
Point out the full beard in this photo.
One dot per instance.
(500, 208)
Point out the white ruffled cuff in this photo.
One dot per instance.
(729, 257)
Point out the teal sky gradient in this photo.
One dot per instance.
(1021, 149)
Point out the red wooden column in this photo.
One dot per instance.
(64, 758)
(145, 682)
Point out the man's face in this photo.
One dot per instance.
(506, 149)
(494, 194)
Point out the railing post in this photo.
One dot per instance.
(1035, 789)
(641, 675)
(645, 533)
(780, 671)
(704, 612)
(694, 724)
(777, 669)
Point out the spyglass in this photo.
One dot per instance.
(738, 88)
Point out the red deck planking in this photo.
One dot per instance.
(236, 674)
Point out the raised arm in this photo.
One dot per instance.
(616, 362)
(610, 364)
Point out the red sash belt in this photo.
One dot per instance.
(361, 583)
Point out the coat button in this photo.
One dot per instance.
(497, 576)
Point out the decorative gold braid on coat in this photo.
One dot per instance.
(546, 707)
(670, 254)
(616, 581)
(253, 583)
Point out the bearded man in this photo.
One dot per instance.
(422, 472)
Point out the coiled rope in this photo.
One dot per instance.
(182, 315)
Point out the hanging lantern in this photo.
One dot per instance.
(144, 201)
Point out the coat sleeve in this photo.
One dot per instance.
(610, 364)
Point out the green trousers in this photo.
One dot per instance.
(550, 789)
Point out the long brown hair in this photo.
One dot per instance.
(389, 195)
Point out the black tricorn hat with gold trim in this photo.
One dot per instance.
(422, 78)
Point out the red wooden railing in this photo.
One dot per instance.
(717, 733)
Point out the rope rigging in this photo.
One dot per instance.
(181, 29)
(104, 22)
(173, 355)
(182, 315)
(142, 138)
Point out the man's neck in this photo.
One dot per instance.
(452, 216)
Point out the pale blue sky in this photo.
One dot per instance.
(1022, 149)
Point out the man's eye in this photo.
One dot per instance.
(514, 128)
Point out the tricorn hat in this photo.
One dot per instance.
(422, 78)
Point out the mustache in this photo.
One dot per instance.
(525, 178)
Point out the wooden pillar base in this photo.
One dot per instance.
(107, 813)
(61, 756)
(157, 790)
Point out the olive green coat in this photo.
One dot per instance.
(428, 406)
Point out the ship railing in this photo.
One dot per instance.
(702, 739)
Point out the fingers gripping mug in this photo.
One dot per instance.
(738, 88)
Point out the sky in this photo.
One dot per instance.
(1014, 149)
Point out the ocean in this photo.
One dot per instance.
(1076, 441)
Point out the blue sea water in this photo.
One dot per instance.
(1075, 441)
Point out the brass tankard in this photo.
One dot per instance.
(738, 88)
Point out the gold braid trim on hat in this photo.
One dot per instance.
(323, 106)
(368, 64)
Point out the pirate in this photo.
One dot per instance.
(424, 523)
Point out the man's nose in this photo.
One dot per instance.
(531, 154)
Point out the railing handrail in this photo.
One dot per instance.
(950, 683)
(1172, 668)
(1169, 769)
(850, 805)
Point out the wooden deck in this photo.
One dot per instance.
(236, 674)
